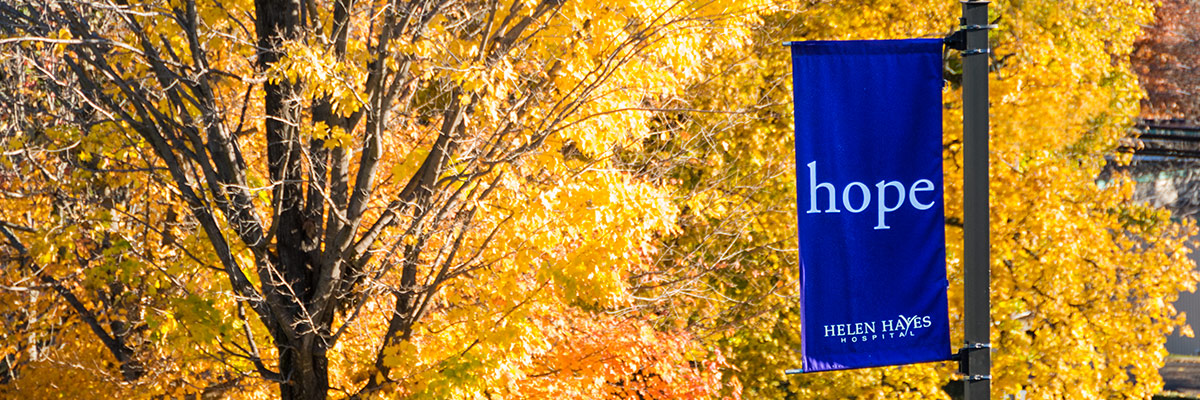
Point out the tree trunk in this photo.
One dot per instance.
(289, 272)
(305, 374)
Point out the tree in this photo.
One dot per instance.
(531, 199)
(351, 197)
(1082, 277)
(1164, 58)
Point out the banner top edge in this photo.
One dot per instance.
(861, 41)
(847, 47)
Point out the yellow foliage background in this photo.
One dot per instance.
(641, 244)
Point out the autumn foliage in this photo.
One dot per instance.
(526, 199)
(1166, 58)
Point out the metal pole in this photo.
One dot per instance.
(976, 360)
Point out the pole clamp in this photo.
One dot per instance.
(976, 346)
(977, 378)
(978, 27)
(958, 39)
(962, 351)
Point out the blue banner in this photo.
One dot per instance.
(869, 183)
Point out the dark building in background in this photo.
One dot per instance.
(1166, 169)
